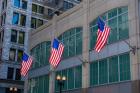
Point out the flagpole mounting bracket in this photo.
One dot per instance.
(133, 48)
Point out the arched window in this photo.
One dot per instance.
(117, 19)
(72, 40)
(41, 54)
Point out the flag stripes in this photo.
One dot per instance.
(56, 54)
(102, 37)
(26, 64)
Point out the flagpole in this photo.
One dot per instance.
(26, 85)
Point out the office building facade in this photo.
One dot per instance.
(17, 18)
(115, 69)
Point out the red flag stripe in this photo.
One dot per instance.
(56, 55)
(102, 38)
(26, 66)
(102, 43)
(59, 53)
(105, 40)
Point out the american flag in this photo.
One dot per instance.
(56, 53)
(102, 35)
(26, 64)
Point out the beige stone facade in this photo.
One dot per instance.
(81, 16)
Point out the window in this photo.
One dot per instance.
(41, 10)
(78, 76)
(12, 54)
(3, 18)
(113, 69)
(23, 20)
(20, 4)
(64, 73)
(17, 3)
(19, 55)
(50, 12)
(43, 84)
(1, 36)
(15, 54)
(94, 73)
(41, 52)
(70, 78)
(18, 75)
(21, 37)
(117, 19)
(17, 36)
(14, 36)
(72, 39)
(123, 26)
(33, 23)
(10, 73)
(124, 67)
(56, 2)
(24, 4)
(0, 53)
(17, 21)
(74, 78)
(110, 70)
(40, 23)
(103, 71)
(7, 90)
(4, 4)
(15, 18)
(37, 9)
(34, 8)
(67, 5)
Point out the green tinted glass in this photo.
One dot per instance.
(113, 69)
(103, 73)
(94, 73)
(124, 67)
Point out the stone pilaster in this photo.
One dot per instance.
(52, 70)
(7, 31)
(28, 25)
(85, 52)
(134, 41)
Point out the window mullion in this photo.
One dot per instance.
(108, 70)
(14, 74)
(68, 46)
(37, 8)
(16, 54)
(20, 5)
(39, 55)
(19, 19)
(74, 77)
(119, 68)
(117, 25)
(43, 83)
(98, 73)
(17, 37)
(45, 45)
(75, 39)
